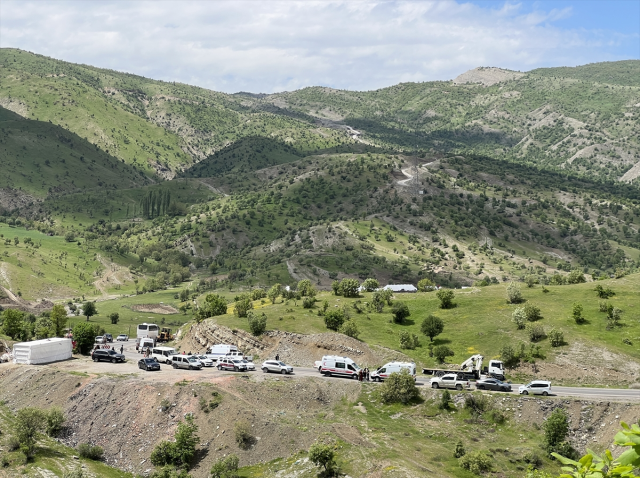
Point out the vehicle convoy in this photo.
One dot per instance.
(449, 380)
(471, 369)
(493, 384)
(338, 366)
(393, 367)
(165, 335)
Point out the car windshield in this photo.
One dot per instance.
(148, 360)
(282, 364)
(192, 359)
(111, 352)
(245, 361)
(237, 361)
(202, 357)
(355, 365)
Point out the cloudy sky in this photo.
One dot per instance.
(269, 46)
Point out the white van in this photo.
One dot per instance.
(393, 367)
(144, 343)
(341, 366)
(162, 354)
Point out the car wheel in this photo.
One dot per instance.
(113, 360)
(174, 365)
(95, 359)
(525, 393)
(458, 387)
(433, 385)
(545, 393)
(283, 372)
(265, 369)
(354, 376)
(218, 367)
(480, 387)
(235, 369)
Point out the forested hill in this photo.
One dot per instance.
(583, 120)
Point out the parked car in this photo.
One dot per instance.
(108, 355)
(108, 337)
(537, 387)
(250, 365)
(206, 361)
(493, 384)
(148, 364)
(449, 380)
(276, 366)
(231, 363)
(186, 361)
(100, 340)
(122, 338)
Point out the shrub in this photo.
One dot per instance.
(426, 285)
(535, 332)
(604, 293)
(556, 337)
(441, 352)
(399, 387)
(350, 328)
(446, 297)
(370, 285)
(29, 423)
(306, 288)
(531, 281)
(603, 306)
(532, 459)
(445, 402)
(576, 277)
(514, 295)
(408, 340)
(432, 326)
(181, 452)
(257, 294)
(577, 313)
(324, 456)
(114, 317)
(225, 467)
(13, 443)
(242, 433)
(496, 416)
(613, 316)
(213, 306)
(75, 473)
(459, 452)
(532, 312)
(555, 429)
(257, 323)
(476, 462)
(4, 461)
(509, 356)
(519, 318)
(242, 305)
(335, 287)
(380, 297)
(86, 450)
(308, 302)
(54, 418)
(334, 319)
(274, 293)
(476, 404)
(400, 311)
(349, 287)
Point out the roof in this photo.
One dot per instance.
(401, 287)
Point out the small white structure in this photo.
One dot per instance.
(401, 288)
(42, 351)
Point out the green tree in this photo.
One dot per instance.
(408, 340)
(532, 312)
(179, 453)
(43, 328)
(432, 326)
(54, 420)
(306, 288)
(225, 467)
(12, 322)
(349, 287)
(274, 293)
(400, 311)
(519, 318)
(29, 423)
(213, 306)
(242, 305)
(577, 313)
(324, 456)
(514, 295)
(446, 297)
(399, 387)
(334, 319)
(370, 285)
(509, 356)
(535, 332)
(426, 285)
(257, 323)
(89, 309)
(350, 329)
(335, 287)
(441, 352)
(556, 428)
(84, 336)
(576, 277)
(114, 317)
(59, 319)
(556, 337)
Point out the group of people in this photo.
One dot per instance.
(363, 374)
(109, 347)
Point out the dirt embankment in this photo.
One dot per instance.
(155, 308)
(295, 349)
(124, 415)
(8, 300)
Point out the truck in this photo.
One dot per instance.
(449, 380)
(165, 335)
(471, 369)
(225, 350)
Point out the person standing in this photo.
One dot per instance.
(122, 349)
(277, 357)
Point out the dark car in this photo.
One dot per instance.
(108, 337)
(108, 355)
(493, 384)
(148, 364)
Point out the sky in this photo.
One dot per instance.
(266, 46)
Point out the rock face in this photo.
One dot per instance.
(487, 76)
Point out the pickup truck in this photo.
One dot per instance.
(449, 380)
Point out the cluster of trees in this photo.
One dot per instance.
(24, 326)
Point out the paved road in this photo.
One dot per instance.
(169, 374)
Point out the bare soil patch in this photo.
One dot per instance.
(155, 308)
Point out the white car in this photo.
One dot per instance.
(122, 338)
(100, 340)
(250, 365)
(276, 366)
(206, 361)
(537, 387)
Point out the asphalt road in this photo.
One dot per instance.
(627, 395)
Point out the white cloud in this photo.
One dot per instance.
(266, 46)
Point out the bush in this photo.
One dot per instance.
(532, 459)
(86, 450)
(400, 311)
(446, 297)
(54, 418)
(213, 306)
(13, 443)
(556, 337)
(426, 285)
(408, 340)
(350, 328)
(349, 287)
(4, 461)
(308, 302)
(181, 452)
(441, 352)
(576, 277)
(370, 285)
(242, 305)
(324, 456)
(29, 423)
(496, 416)
(242, 433)
(445, 402)
(613, 316)
(459, 452)
(399, 387)
(577, 313)
(334, 319)
(257, 323)
(604, 293)
(380, 297)
(509, 356)
(476, 404)
(514, 295)
(535, 332)
(519, 318)
(476, 462)
(225, 467)
(432, 326)
(257, 294)
(306, 288)
(114, 317)
(532, 312)
(75, 473)
(555, 429)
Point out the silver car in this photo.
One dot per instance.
(206, 361)
(276, 366)
(185, 361)
(250, 365)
